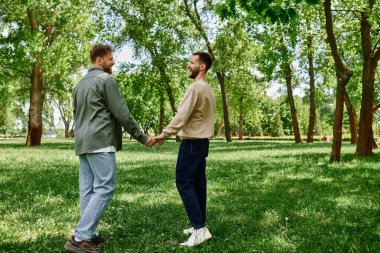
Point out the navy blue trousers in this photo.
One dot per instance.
(191, 179)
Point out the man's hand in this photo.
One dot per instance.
(159, 140)
(150, 142)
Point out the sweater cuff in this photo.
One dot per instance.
(165, 133)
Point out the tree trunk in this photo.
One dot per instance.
(65, 118)
(67, 130)
(337, 130)
(374, 144)
(36, 99)
(293, 111)
(343, 74)
(241, 120)
(71, 132)
(227, 126)
(169, 92)
(220, 126)
(310, 56)
(352, 117)
(168, 89)
(165, 79)
(162, 115)
(35, 108)
(365, 140)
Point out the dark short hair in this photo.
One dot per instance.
(204, 58)
(99, 50)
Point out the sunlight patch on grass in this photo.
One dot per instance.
(322, 179)
(49, 200)
(217, 189)
(156, 198)
(355, 201)
(28, 224)
(281, 242)
(300, 176)
(270, 219)
(310, 213)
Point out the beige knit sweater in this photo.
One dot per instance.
(195, 117)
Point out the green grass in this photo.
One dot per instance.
(263, 196)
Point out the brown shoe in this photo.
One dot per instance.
(80, 247)
(98, 239)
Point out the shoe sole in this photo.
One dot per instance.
(196, 244)
(70, 248)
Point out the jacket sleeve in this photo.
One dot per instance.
(74, 103)
(120, 111)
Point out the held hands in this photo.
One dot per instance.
(159, 140)
(150, 142)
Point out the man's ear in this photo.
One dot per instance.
(99, 60)
(203, 66)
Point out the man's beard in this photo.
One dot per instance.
(108, 70)
(193, 73)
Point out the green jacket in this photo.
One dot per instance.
(100, 112)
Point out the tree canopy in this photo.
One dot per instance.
(281, 67)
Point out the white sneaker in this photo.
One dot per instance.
(197, 237)
(188, 231)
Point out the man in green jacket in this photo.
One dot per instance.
(99, 113)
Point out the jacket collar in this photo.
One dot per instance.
(94, 68)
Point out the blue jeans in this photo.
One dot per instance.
(191, 179)
(96, 185)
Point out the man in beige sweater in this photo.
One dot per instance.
(194, 123)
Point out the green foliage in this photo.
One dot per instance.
(277, 130)
(140, 91)
(264, 196)
(272, 10)
(318, 130)
(160, 39)
(252, 42)
(54, 34)
(252, 124)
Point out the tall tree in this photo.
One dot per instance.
(288, 75)
(274, 35)
(343, 75)
(352, 117)
(64, 104)
(277, 130)
(311, 70)
(237, 52)
(371, 56)
(194, 15)
(39, 42)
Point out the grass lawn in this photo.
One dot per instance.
(263, 196)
